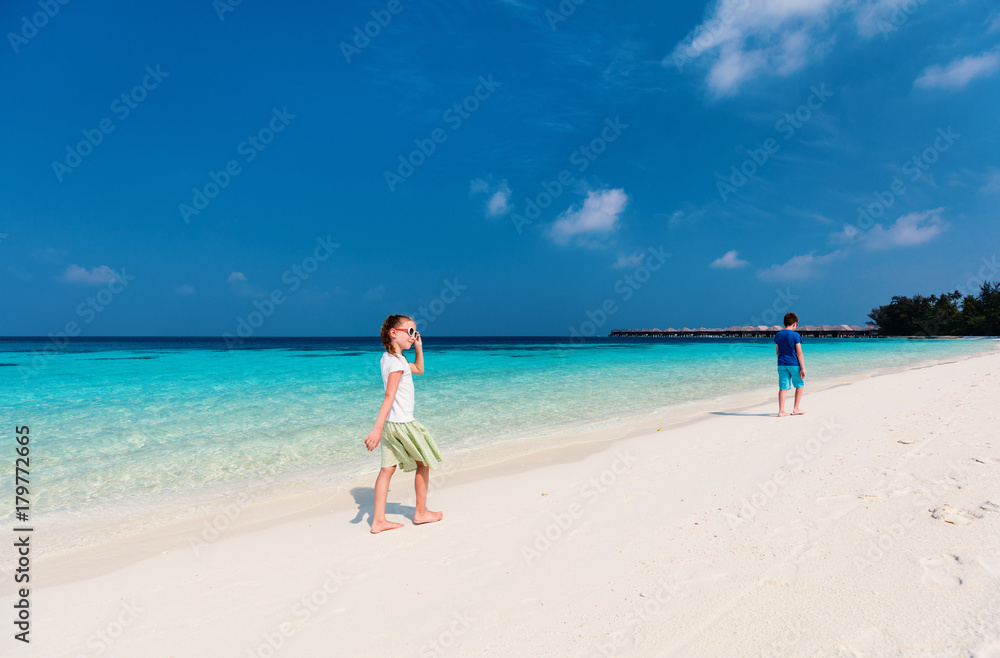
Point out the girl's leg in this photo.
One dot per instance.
(420, 483)
(379, 522)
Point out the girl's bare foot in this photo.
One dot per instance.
(379, 526)
(427, 516)
(797, 412)
(782, 414)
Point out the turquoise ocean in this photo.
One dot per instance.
(116, 421)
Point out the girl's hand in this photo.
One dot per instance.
(417, 342)
(373, 439)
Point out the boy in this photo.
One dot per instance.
(791, 364)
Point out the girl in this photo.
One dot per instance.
(405, 442)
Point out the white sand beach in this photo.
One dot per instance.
(868, 527)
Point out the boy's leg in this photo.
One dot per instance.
(798, 399)
(420, 483)
(784, 383)
(379, 522)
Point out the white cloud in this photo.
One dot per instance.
(960, 72)
(798, 267)
(729, 261)
(500, 202)
(98, 276)
(907, 231)
(992, 182)
(598, 216)
(373, 294)
(994, 22)
(883, 16)
(237, 276)
(845, 236)
(635, 260)
(499, 193)
(185, 290)
(741, 39)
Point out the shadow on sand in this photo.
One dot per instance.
(728, 413)
(365, 499)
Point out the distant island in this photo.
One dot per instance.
(950, 314)
(947, 314)
(760, 331)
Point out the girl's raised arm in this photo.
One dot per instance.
(417, 367)
(391, 385)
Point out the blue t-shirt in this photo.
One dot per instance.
(786, 339)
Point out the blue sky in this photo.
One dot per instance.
(509, 167)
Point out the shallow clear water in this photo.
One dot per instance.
(115, 418)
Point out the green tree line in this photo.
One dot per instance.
(947, 314)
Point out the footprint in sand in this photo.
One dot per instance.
(990, 507)
(955, 515)
(940, 571)
(986, 460)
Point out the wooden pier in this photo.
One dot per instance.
(762, 331)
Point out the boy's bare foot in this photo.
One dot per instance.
(782, 414)
(427, 517)
(379, 526)
(797, 412)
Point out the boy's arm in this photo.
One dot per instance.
(777, 351)
(802, 359)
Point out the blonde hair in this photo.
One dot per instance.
(392, 322)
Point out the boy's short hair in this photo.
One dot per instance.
(790, 319)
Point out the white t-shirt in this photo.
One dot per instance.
(402, 404)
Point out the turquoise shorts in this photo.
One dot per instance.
(788, 376)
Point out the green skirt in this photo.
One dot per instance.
(404, 444)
